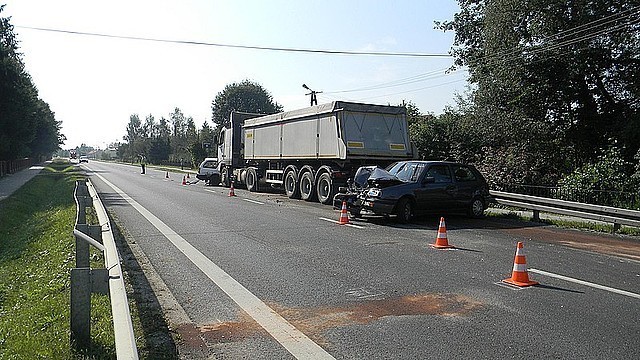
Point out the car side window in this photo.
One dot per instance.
(440, 172)
(209, 164)
(463, 173)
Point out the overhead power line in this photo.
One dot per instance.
(232, 46)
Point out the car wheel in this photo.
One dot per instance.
(404, 210)
(324, 188)
(252, 180)
(476, 208)
(224, 175)
(291, 186)
(214, 180)
(307, 192)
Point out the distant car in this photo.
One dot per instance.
(410, 188)
(208, 171)
(84, 159)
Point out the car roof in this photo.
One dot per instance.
(430, 162)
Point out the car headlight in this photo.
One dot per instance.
(374, 192)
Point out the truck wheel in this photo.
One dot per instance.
(224, 177)
(252, 180)
(291, 186)
(307, 192)
(324, 188)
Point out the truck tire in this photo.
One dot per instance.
(307, 190)
(252, 180)
(291, 185)
(224, 177)
(324, 188)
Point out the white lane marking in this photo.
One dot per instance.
(254, 201)
(292, 339)
(337, 222)
(586, 283)
(211, 191)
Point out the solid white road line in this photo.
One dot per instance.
(292, 339)
(337, 222)
(586, 283)
(254, 201)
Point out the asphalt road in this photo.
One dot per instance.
(263, 277)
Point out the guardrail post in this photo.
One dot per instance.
(84, 282)
(81, 308)
(616, 227)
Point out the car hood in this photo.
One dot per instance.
(381, 178)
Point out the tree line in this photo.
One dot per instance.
(28, 127)
(177, 141)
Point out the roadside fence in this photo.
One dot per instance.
(108, 280)
(13, 166)
(613, 215)
(620, 199)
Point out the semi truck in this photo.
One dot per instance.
(311, 152)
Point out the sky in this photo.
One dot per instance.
(95, 83)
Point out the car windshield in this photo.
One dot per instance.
(407, 171)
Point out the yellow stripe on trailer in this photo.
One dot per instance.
(355, 144)
(397, 147)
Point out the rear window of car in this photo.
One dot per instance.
(463, 173)
(209, 164)
(440, 173)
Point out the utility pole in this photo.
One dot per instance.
(314, 99)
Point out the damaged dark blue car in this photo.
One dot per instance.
(411, 188)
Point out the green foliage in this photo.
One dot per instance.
(608, 172)
(245, 96)
(552, 82)
(27, 125)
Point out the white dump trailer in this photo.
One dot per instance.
(311, 152)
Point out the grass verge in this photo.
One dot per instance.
(565, 223)
(36, 256)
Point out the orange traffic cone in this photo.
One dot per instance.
(441, 239)
(231, 191)
(519, 276)
(344, 217)
(167, 176)
(184, 180)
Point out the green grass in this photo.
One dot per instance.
(36, 257)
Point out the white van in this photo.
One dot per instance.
(208, 171)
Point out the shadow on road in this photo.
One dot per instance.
(158, 342)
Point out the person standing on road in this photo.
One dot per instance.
(143, 163)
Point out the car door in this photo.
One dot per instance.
(437, 189)
(467, 185)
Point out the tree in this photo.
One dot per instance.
(553, 80)
(27, 125)
(245, 96)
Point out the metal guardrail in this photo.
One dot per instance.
(108, 280)
(607, 214)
